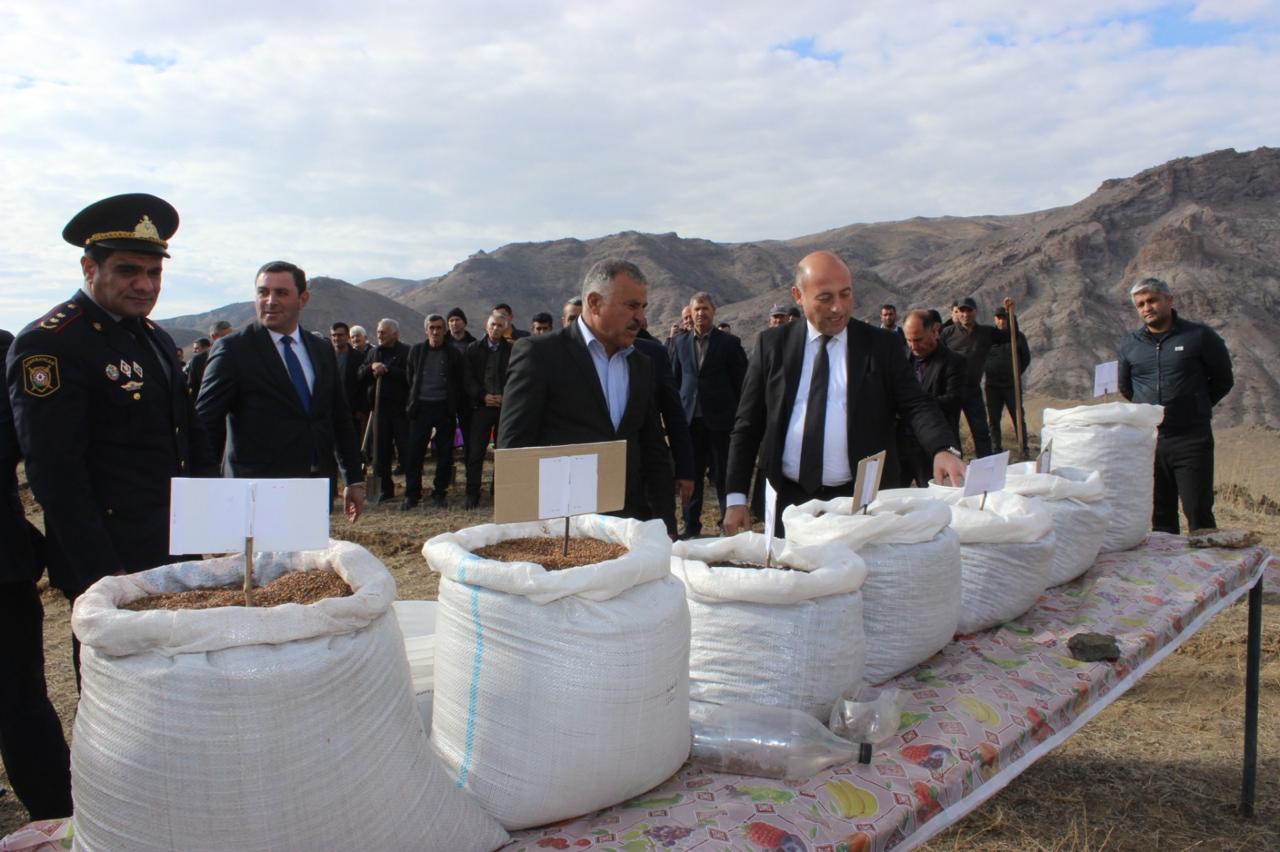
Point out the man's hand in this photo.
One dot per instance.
(684, 489)
(736, 519)
(493, 400)
(378, 368)
(1008, 304)
(948, 469)
(353, 501)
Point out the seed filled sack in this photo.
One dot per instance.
(559, 692)
(1118, 440)
(288, 727)
(1006, 548)
(911, 597)
(786, 636)
(1076, 500)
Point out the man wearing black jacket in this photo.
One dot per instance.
(486, 377)
(1185, 367)
(385, 376)
(973, 340)
(34, 751)
(666, 395)
(941, 374)
(435, 394)
(999, 382)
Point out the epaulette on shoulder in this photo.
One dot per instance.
(60, 316)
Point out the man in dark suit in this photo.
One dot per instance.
(941, 373)
(99, 402)
(272, 391)
(435, 397)
(195, 370)
(34, 752)
(585, 383)
(666, 396)
(349, 362)
(385, 375)
(973, 340)
(709, 366)
(485, 375)
(823, 393)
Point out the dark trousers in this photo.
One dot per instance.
(1184, 468)
(393, 440)
(483, 421)
(976, 416)
(432, 422)
(35, 753)
(710, 458)
(999, 400)
(791, 494)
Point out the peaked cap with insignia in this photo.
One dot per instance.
(133, 222)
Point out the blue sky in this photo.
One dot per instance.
(398, 138)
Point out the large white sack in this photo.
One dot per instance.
(289, 727)
(562, 692)
(1117, 439)
(911, 597)
(1076, 500)
(1006, 549)
(783, 638)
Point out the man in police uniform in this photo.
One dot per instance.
(99, 402)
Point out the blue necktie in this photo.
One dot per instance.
(295, 373)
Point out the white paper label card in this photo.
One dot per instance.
(567, 485)
(770, 520)
(866, 483)
(1044, 462)
(1106, 378)
(217, 515)
(290, 514)
(208, 515)
(584, 477)
(986, 474)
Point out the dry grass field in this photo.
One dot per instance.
(1159, 769)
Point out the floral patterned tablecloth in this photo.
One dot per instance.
(980, 712)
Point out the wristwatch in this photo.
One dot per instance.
(955, 452)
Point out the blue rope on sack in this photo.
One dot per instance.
(476, 664)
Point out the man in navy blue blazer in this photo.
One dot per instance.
(709, 367)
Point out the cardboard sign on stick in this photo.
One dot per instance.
(986, 474)
(1044, 462)
(866, 482)
(536, 483)
(1106, 378)
(217, 515)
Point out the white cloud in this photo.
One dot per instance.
(400, 138)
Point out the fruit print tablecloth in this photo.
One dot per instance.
(981, 712)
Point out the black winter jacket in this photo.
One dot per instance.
(1187, 370)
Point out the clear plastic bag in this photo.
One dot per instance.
(866, 715)
(769, 742)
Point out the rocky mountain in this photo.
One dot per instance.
(1209, 225)
(331, 300)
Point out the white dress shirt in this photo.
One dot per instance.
(299, 349)
(836, 469)
(613, 373)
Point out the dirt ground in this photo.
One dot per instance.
(1159, 769)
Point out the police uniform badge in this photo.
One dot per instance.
(137, 369)
(126, 369)
(40, 375)
(113, 372)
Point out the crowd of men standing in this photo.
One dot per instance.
(103, 413)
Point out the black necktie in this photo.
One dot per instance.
(815, 421)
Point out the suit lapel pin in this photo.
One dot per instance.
(125, 368)
(131, 386)
(113, 372)
(137, 369)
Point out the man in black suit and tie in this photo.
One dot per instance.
(822, 394)
(666, 396)
(941, 373)
(485, 377)
(435, 397)
(349, 361)
(587, 383)
(273, 389)
(709, 366)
